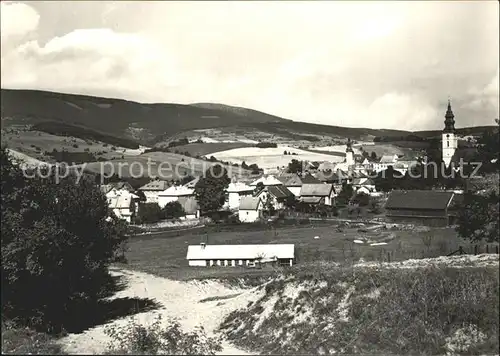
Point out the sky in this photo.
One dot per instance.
(353, 63)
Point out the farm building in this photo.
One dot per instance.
(240, 255)
(235, 191)
(153, 189)
(190, 206)
(427, 207)
(173, 193)
(278, 194)
(318, 194)
(294, 182)
(250, 209)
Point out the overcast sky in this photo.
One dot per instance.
(371, 64)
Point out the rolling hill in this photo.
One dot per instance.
(148, 124)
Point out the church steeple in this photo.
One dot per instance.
(349, 146)
(449, 122)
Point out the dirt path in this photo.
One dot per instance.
(178, 300)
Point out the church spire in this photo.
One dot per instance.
(349, 146)
(449, 122)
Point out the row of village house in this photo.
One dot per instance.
(240, 196)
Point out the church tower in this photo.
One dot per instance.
(349, 154)
(449, 140)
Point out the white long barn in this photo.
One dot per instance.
(240, 255)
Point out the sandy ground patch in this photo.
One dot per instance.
(178, 299)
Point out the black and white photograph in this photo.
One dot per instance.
(250, 177)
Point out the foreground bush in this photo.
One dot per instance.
(135, 339)
(57, 242)
(24, 341)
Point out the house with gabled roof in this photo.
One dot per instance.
(294, 182)
(278, 194)
(318, 194)
(426, 207)
(123, 206)
(153, 189)
(173, 193)
(115, 187)
(250, 209)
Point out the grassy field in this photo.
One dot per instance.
(202, 149)
(271, 158)
(164, 255)
(166, 165)
(35, 144)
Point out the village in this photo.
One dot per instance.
(331, 191)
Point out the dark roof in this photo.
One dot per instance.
(309, 179)
(296, 181)
(418, 199)
(278, 191)
(156, 185)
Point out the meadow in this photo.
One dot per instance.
(165, 254)
(36, 143)
(202, 149)
(165, 165)
(270, 158)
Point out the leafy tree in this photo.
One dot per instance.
(362, 199)
(373, 155)
(365, 154)
(345, 194)
(149, 213)
(295, 166)
(210, 189)
(290, 202)
(173, 210)
(489, 149)
(478, 219)
(244, 165)
(57, 243)
(268, 207)
(388, 180)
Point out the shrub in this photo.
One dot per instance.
(157, 338)
(149, 213)
(57, 243)
(173, 210)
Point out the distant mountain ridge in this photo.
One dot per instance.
(148, 123)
